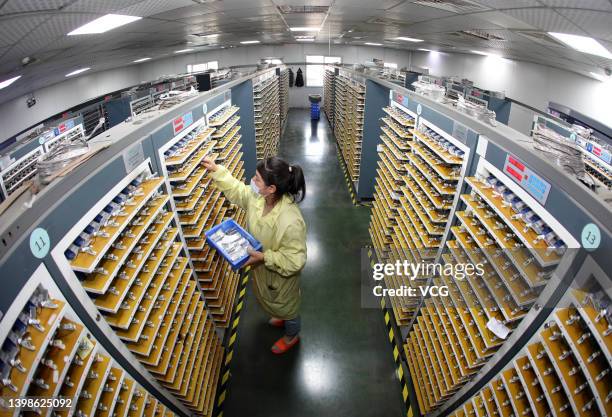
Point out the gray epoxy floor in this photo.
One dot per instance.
(343, 365)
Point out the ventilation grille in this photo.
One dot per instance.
(478, 34)
(303, 9)
(456, 6)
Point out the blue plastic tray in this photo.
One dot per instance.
(225, 226)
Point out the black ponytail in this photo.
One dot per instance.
(288, 179)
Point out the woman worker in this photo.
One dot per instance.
(273, 218)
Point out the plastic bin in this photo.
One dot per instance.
(225, 226)
(315, 111)
(314, 98)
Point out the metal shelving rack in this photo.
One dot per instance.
(283, 88)
(113, 238)
(329, 94)
(267, 114)
(348, 122)
(477, 350)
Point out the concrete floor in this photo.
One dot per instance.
(343, 365)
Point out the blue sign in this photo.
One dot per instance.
(527, 179)
(591, 237)
(40, 243)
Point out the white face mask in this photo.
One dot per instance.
(254, 187)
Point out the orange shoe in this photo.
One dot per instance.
(276, 322)
(281, 346)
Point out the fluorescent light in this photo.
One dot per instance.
(479, 53)
(104, 24)
(593, 74)
(583, 44)
(180, 51)
(304, 39)
(77, 71)
(248, 42)
(142, 60)
(8, 82)
(373, 43)
(403, 38)
(304, 29)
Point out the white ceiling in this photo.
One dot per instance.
(38, 28)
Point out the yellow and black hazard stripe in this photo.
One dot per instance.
(230, 344)
(347, 177)
(396, 345)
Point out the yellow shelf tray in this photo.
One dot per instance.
(549, 380)
(124, 399)
(442, 153)
(85, 262)
(531, 273)
(222, 131)
(185, 171)
(61, 359)
(538, 248)
(111, 302)
(223, 117)
(189, 149)
(151, 352)
(108, 399)
(94, 386)
(98, 283)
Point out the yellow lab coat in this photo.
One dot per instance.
(282, 232)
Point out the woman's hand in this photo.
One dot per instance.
(256, 258)
(209, 164)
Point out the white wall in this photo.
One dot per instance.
(15, 116)
(529, 83)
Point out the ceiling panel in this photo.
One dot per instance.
(596, 23)
(546, 19)
(580, 4)
(509, 4)
(16, 28)
(504, 20)
(453, 23)
(417, 13)
(101, 7)
(169, 25)
(28, 6)
(154, 7)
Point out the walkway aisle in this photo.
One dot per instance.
(343, 365)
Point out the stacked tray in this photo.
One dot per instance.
(267, 117)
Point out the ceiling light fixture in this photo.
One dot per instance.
(180, 51)
(595, 75)
(8, 82)
(404, 38)
(248, 42)
(582, 44)
(142, 60)
(426, 50)
(373, 44)
(304, 29)
(305, 39)
(80, 70)
(104, 24)
(479, 53)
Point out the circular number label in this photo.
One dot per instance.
(40, 243)
(591, 237)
